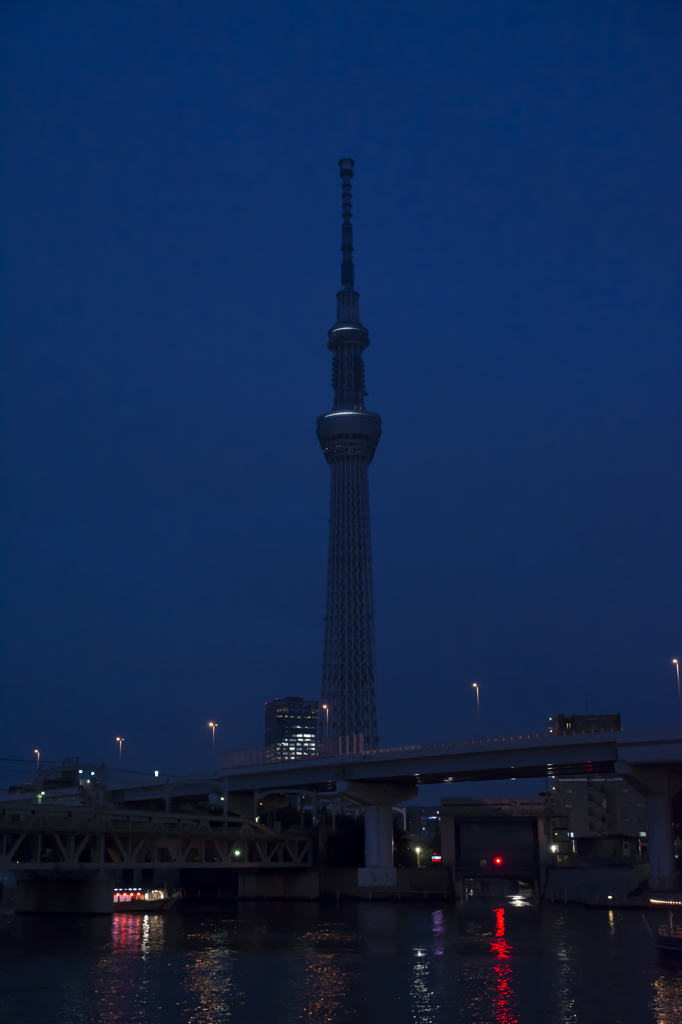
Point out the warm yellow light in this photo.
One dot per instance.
(36, 751)
(324, 706)
(674, 661)
(213, 725)
(418, 849)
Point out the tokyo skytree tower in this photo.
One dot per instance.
(349, 435)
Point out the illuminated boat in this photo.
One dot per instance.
(668, 938)
(143, 901)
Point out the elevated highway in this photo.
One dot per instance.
(87, 833)
(516, 756)
(650, 760)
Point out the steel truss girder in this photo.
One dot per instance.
(40, 839)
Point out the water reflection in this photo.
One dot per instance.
(126, 932)
(503, 970)
(667, 1001)
(210, 984)
(520, 899)
(132, 932)
(425, 1009)
(326, 986)
(438, 931)
(489, 961)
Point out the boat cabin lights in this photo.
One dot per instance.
(133, 895)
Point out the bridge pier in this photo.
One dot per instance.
(378, 799)
(379, 836)
(658, 786)
(661, 842)
(67, 893)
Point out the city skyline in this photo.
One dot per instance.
(172, 246)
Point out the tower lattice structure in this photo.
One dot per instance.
(349, 434)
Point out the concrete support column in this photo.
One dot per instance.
(378, 799)
(657, 785)
(379, 837)
(67, 893)
(660, 836)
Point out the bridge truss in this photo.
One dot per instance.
(67, 838)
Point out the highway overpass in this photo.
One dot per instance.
(651, 761)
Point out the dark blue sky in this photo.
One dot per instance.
(172, 233)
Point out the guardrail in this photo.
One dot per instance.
(340, 746)
(448, 744)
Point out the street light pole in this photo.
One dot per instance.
(326, 708)
(38, 765)
(679, 695)
(120, 740)
(214, 726)
(478, 708)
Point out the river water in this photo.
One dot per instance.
(496, 959)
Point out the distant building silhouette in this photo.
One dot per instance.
(291, 726)
(572, 725)
(349, 434)
(594, 807)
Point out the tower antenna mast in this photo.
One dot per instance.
(349, 434)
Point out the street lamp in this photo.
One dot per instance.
(679, 695)
(38, 753)
(325, 708)
(214, 726)
(120, 740)
(478, 708)
(418, 850)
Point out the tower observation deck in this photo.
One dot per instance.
(349, 434)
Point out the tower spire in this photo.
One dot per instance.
(349, 434)
(347, 300)
(347, 268)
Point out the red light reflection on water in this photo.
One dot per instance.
(126, 932)
(504, 1014)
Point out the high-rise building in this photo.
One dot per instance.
(291, 727)
(349, 434)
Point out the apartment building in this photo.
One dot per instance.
(594, 807)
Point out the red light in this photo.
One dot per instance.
(497, 861)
